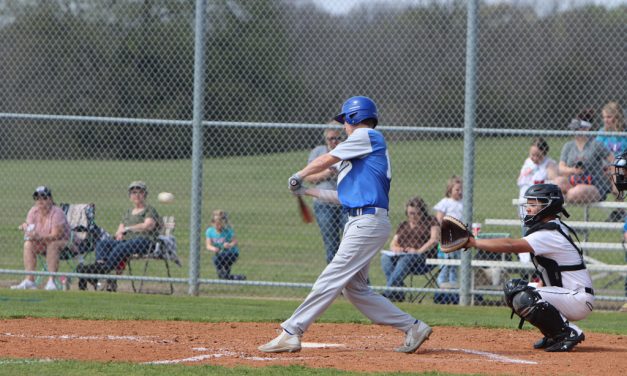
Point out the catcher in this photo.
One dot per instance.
(566, 293)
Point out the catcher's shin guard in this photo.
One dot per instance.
(529, 306)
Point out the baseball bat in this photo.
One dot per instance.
(305, 213)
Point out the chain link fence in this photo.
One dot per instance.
(99, 93)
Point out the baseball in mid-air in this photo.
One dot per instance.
(165, 197)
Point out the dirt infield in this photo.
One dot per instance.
(340, 346)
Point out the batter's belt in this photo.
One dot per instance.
(355, 212)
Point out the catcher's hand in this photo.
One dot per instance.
(454, 234)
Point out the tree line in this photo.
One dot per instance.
(289, 62)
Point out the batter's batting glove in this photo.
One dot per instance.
(294, 182)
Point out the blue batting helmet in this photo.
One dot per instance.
(357, 109)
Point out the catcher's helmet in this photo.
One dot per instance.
(550, 195)
(357, 109)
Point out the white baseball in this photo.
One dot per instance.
(165, 197)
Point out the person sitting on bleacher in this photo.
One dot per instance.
(136, 234)
(584, 164)
(46, 231)
(414, 239)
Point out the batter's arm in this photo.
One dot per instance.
(319, 164)
(502, 245)
(326, 195)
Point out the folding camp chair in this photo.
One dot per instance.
(431, 274)
(165, 250)
(84, 233)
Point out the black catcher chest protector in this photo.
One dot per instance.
(550, 270)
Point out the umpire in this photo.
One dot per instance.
(566, 292)
(363, 189)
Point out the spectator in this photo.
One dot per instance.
(613, 121)
(222, 242)
(330, 217)
(583, 166)
(415, 240)
(136, 234)
(46, 231)
(451, 205)
(537, 169)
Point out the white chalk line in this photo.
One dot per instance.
(317, 345)
(198, 358)
(222, 353)
(492, 356)
(66, 337)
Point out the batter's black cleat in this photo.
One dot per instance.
(566, 342)
(543, 343)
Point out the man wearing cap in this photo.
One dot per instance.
(136, 234)
(46, 231)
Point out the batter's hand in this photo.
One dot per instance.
(294, 182)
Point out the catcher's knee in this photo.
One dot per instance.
(543, 315)
(514, 287)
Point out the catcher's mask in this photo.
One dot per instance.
(357, 109)
(619, 176)
(550, 198)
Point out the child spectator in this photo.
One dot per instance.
(538, 168)
(222, 242)
(451, 205)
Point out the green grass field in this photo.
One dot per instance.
(100, 306)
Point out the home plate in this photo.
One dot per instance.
(317, 345)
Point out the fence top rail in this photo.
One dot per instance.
(578, 225)
(522, 265)
(601, 204)
(234, 124)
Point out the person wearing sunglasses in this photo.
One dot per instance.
(46, 232)
(330, 217)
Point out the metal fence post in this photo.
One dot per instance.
(197, 153)
(469, 141)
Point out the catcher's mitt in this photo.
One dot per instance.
(454, 234)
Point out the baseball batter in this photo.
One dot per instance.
(566, 294)
(363, 188)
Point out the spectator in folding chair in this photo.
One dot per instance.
(415, 240)
(136, 234)
(46, 231)
(222, 242)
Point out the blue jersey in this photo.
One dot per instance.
(365, 172)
